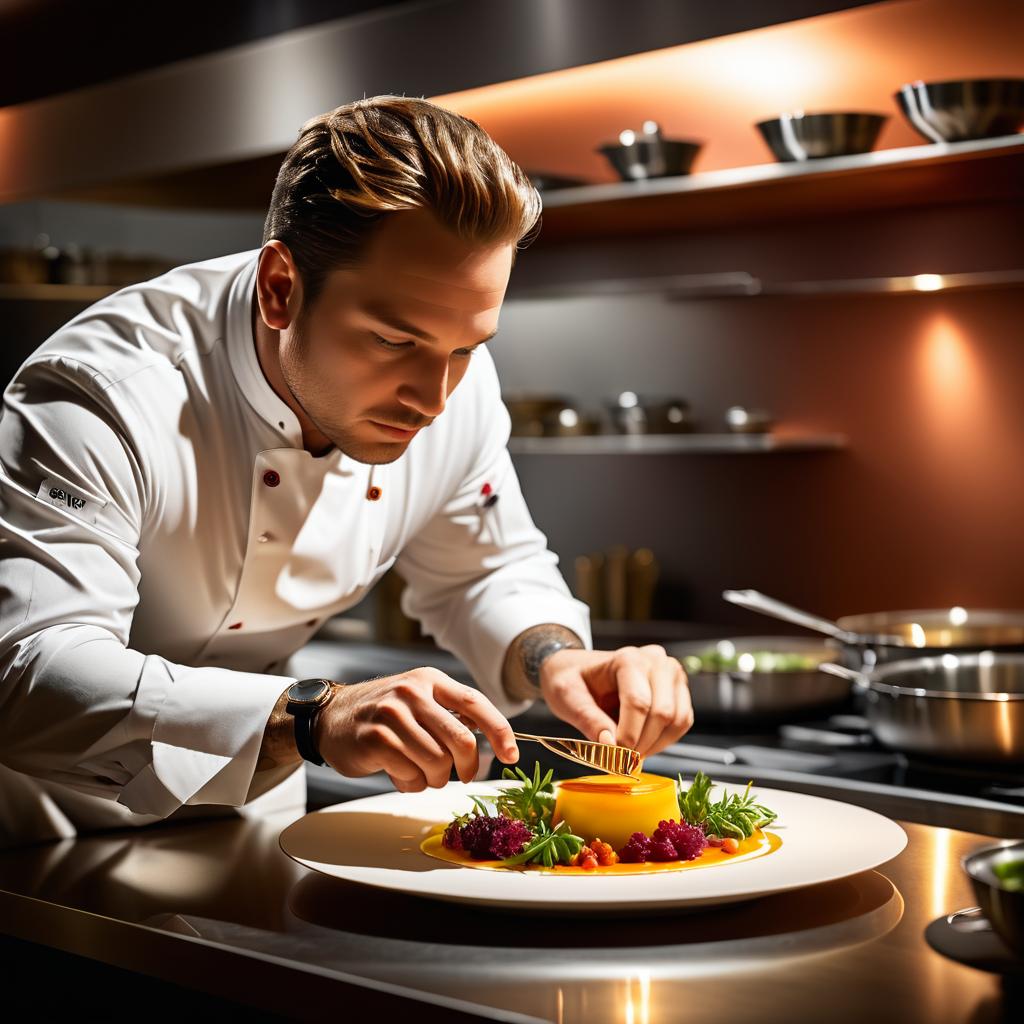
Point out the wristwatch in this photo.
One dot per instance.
(305, 698)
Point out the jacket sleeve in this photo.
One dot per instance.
(78, 705)
(477, 577)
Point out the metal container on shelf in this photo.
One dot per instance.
(527, 411)
(801, 136)
(963, 109)
(23, 266)
(638, 156)
(740, 420)
(631, 413)
(568, 421)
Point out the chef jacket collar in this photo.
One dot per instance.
(245, 364)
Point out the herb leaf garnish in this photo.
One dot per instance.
(550, 846)
(733, 815)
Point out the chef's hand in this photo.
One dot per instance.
(636, 696)
(404, 725)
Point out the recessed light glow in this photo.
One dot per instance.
(957, 615)
(928, 282)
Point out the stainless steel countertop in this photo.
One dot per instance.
(170, 899)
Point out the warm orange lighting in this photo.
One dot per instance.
(716, 90)
(942, 872)
(949, 369)
(637, 1009)
(951, 404)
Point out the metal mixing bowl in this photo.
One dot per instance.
(646, 157)
(1003, 907)
(977, 108)
(814, 136)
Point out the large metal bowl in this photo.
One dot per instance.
(762, 694)
(1003, 907)
(954, 111)
(814, 136)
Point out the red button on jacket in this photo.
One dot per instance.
(271, 478)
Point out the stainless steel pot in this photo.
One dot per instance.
(747, 692)
(961, 707)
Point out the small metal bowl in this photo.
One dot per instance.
(803, 136)
(976, 108)
(1003, 907)
(649, 155)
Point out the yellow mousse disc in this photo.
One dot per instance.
(612, 808)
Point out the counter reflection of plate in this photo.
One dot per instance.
(375, 841)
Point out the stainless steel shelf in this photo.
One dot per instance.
(682, 444)
(756, 174)
(932, 174)
(740, 284)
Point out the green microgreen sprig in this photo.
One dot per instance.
(532, 802)
(732, 816)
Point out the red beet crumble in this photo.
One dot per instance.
(636, 849)
(672, 840)
(452, 838)
(493, 837)
(689, 841)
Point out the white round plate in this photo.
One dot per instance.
(375, 841)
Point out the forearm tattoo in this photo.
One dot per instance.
(526, 654)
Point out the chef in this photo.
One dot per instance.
(198, 470)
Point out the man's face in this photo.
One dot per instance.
(386, 342)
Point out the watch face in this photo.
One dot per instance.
(308, 691)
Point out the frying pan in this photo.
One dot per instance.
(881, 637)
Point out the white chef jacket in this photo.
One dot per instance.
(166, 543)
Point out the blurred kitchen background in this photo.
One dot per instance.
(864, 311)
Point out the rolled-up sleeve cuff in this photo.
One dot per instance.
(494, 626)
(206, 740)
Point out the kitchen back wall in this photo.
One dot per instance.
(922, 508)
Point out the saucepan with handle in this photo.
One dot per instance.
(959, 707)
(880, 637)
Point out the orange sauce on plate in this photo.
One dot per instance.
(758, 845)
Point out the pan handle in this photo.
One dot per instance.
(755, 601)
(858, 679)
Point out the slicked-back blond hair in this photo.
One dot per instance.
(374, 157)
